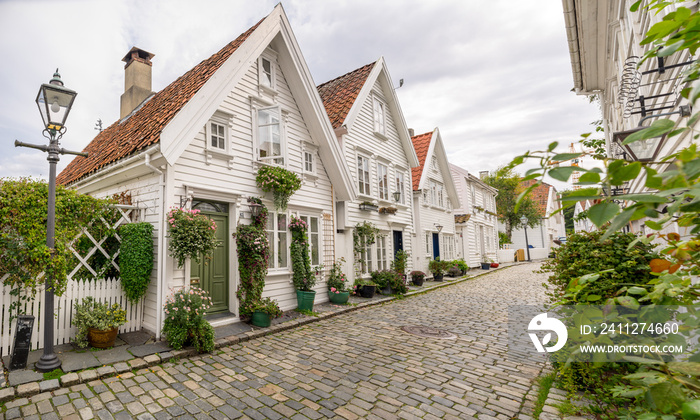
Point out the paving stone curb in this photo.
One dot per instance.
(73, 378)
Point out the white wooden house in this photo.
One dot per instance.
(199, 142)
(476, 220)
(434, 198)
(582, 224)
(372, 133)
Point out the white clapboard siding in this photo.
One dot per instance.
(103, 290)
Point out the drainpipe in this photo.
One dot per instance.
(160, 263)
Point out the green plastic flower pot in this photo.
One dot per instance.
(260, 319)
(340, 298)
(305, 300)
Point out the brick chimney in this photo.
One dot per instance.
(137, 80)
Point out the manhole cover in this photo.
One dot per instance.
(429, 332)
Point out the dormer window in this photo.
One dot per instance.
(217, 136)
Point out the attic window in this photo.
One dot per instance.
(266, 73)
(379, 111)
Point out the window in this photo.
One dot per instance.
(400, 185)
(277, 237)
(379, 116)
(383, 178)
(440, 195)
(308, 162)
(217, 136)
(433, 192)
(473, 191)
(428, 240)
(363, 174)
(270, 146)
(365, 257)
(314, 238)
(266, 73)
(434, 164)
(382, 263)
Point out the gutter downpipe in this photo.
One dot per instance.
(161, 244)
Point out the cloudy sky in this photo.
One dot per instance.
(494, 75)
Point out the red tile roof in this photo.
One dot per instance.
(539, 195)
(143, 128)
(421, 144)
(339, 95)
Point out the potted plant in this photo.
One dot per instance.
(485, 262)
(191, 235)
(184, 320)
(437, 267)
(97, 323)
(264, 311)
(454, 270)
(400, 261)
(365, 288)
(387, 210)
(337, 283)
(302, 275)
(368, 206)
(417, 277)
(282, 182)
(462, 265)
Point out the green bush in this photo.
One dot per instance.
(389, 278)
(585, 253)
(184, 320)
(136, 259)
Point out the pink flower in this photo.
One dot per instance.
(332, 289)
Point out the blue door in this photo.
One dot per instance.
(436, 246)
(398, 241)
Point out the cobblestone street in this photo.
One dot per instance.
(355, 365)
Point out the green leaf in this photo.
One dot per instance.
(636, 290)
(601, 213)
(553, 145)
(565, 156)
(643, 198)
(685, 368)
(593, 298)
(691, 410)
(654, 225)
(589, 178)
(666, 396)
(624, 173)
(656, 129)
(666, 51)
(562, 173)
(618, 222)
(635, 6)
(628, 302)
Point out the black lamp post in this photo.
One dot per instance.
(55, 102)
(523, 220)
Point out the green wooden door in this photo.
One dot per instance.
(211, 274)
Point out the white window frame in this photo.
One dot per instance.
(263, 80)
(382, 252)
(433, 192)
(280, 160)
(434, 163)
(220, 132)
(314, 236)
(366, 265)
(378, 116)
(364, 178)
(382, 181)
(428, 243)
(400, 178)
(309, 162)
(440, 195)
(275, 247)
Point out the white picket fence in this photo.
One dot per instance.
(103, 290)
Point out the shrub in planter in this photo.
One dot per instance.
(365, 288)
(263, 311)
(462, 265)
(252, 248)
(184, 320)
(417, 277)
(454, 271)
(302, 275)
(400, 261)
(438, 268)
(336, 277)
(389, 282)
(191, 234)
(99, 316)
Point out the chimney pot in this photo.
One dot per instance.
(483, 174)
(411, 132)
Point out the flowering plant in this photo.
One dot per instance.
(253, 254)
(302, 275)
(267, 306)
(282, 182)
(337, 282)
(97, 315)
(191, 234)
(184, 320)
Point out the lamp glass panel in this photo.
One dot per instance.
(644, 149)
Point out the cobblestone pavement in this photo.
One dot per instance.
(356, 365)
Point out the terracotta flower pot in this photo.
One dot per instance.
(102, 339)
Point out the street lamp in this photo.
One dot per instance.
(55, 102)
(523, 220)
(438, 227)
(397, 196)
(647, 149)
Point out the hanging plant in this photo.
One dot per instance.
(191, 234)
(281, 182)
(136, 259)
(302, 275)
(253, 254)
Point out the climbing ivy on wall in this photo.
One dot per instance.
(253, 253)
(136, 259)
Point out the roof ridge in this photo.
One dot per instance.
(346, 74)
